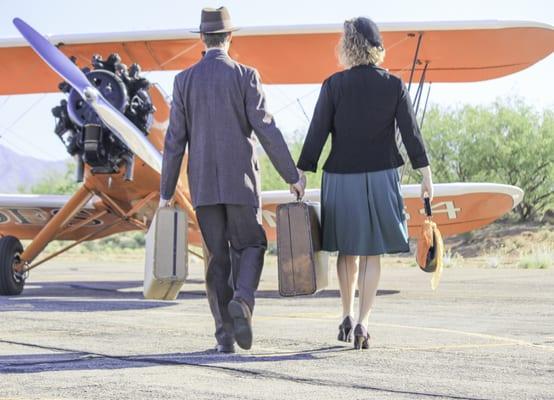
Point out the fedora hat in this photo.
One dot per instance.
(215, 20)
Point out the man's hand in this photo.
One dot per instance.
(163, 203)
(299, 187)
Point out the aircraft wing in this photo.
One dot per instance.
(24, 215)
(456, 51)
(457, 207)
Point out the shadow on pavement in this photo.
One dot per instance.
(133, 290)
(55, 305)
(67, 360)
(80, 297)
(274, 294)
(73, 360)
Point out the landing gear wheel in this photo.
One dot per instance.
(11, 282)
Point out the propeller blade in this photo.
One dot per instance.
(124, 129)
(53, 57)
(134, 138)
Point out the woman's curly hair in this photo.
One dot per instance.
(354, 49)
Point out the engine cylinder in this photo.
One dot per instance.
(82, 131)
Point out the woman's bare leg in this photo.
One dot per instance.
(368, 280)
(347, 271)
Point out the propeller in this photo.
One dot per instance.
(124, 129)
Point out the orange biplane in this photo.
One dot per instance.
(113, 121)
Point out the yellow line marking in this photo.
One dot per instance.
(425, 328)
(276, 352)
(445, 347)
(473, 334)
(328, 316)
(300, 315)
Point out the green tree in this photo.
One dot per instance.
(271, 179)
(507, 142)
(55, 183)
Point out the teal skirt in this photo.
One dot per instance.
(363, 214)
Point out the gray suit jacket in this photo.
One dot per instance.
(217, 103)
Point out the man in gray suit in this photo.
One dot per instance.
(217, 103)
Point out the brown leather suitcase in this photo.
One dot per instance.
(302, 266)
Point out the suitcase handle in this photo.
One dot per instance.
(427, 205)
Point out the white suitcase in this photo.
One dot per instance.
(166, 254)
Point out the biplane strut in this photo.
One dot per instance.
(417, 98)
(16, 262)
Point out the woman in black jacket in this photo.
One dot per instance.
(362, 208)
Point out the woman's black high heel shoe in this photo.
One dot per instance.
(361, 337)
(345, 330)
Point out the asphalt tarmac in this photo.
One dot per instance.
(81, 330)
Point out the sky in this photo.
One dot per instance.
(26, 124)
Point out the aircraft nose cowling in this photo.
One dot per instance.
(106, 83)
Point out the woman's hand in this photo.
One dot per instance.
(426, 183)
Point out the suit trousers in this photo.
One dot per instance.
(236, 242)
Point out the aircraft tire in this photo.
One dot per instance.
(10, 249)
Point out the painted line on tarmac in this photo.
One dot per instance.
(327, 316)
(299, 315)
(473, 334)
(319, 316)
(444, 347)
